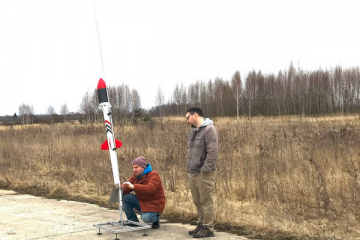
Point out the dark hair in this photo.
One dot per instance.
(197, 110)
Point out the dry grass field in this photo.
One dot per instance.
(277, 178)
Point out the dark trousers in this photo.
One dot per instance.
(130, 202)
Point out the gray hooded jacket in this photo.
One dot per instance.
(203, 149)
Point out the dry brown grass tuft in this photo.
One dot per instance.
(283, 177)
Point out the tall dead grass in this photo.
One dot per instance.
(277, 177)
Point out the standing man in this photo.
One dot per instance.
(148, 194)
(202, 154)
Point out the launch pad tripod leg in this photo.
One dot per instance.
(117, 237)
(145, 233)
(99, 233)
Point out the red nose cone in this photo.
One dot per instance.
(101, 84)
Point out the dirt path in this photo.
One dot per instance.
(28, 217)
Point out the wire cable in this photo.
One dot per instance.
(97, 29)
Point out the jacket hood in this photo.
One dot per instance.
(207, 121)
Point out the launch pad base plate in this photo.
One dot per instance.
(122, 226)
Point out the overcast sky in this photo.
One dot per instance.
(50, 54)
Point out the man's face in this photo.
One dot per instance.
(190, 119)
(138, 170)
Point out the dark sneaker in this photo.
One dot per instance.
(155, 225)
(203, 233)
(196, 230)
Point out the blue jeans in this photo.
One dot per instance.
(129, 202)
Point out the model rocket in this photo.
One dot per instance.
(111, 143)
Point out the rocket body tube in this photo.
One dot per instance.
(111, 143)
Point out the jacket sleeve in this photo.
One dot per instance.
(151, 187)
(212, 150)
(127, 190)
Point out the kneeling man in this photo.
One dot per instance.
(148, 194)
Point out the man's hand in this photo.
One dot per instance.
(127, 184)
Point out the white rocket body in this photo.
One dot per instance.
(111, 143)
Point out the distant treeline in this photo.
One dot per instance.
(125, 106)
(40, 118)
(289, 92)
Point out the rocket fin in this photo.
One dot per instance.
(105, 145)
(117, 143)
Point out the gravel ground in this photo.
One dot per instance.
(28, 217)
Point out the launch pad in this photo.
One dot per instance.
(122, 226)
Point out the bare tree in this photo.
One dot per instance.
(192, 95)
(211, 95)
(124, 102)
(64, 111)
(94, 104)
(85, 106)
(203, 96)
(26, 112)
(184, 100)
(51, 111)
(22, 111)
(219, 95)
(136, 105)
(236, 86)
(120, 102)
(136, 102)
(250, 86)
(31, 113)
(159, 102)
(128, 101)
(177, 97)
(112, 94)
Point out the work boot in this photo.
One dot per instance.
(196, 230)
(204, 232)
(155, 225)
